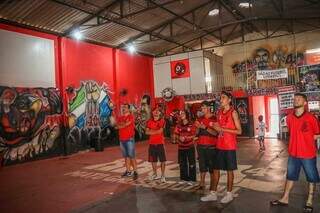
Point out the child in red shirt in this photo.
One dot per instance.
(185, 134)
(154, 129)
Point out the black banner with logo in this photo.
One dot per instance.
(242, 107)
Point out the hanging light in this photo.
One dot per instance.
(245, 5)
(213, 12)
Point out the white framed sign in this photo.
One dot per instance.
(272, 74)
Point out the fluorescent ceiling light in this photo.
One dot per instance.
(214, 12)
(245, 5)
(313, 50)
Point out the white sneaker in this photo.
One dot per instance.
(153, 177)
(227, 198)
(163, 179)
(181, 182)
(212, 196)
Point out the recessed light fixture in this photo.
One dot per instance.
(77, 34)
(213, 12)
(245, 5)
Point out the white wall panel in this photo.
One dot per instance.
(179, 56)
(198, 84)
(196, 54)
(26, 61)
(162, 60)
(162, 78)
(181, 86)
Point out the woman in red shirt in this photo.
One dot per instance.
(185, 134)
(154, 129)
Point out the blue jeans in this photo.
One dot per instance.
(309, 166)
(128, 148)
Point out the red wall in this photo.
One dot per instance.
(134, 74)
(83, 61)
(77, 61)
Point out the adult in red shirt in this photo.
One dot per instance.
(125, 124)
(303, 130)
(185, 134)
(228, 125)
(206, 144)
(157, 153)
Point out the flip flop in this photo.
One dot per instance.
(308, 209)
(278, 203)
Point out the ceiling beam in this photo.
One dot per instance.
(237, 14)
(90, 16)
(193, 23)
(122, 23)
(242, 22)
(170, 21)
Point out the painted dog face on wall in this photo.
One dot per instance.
(23, 111)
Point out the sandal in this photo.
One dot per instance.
(307, 209)
(278, 203)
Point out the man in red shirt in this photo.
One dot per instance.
(303, 130)
(154, 129)
(125, 125)
(206, 146)
(228, 125)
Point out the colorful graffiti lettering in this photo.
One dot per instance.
(30, 122)
(90, 111)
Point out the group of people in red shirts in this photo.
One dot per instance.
(213, 139)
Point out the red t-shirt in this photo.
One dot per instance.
(188, 131)
(205, 138)
(302, 130)
(156, 125)
(226, 140)
(127, 132)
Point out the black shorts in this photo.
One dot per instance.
(226, 160)
(157, 152)
(207, 155)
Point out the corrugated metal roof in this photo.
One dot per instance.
(134, 20)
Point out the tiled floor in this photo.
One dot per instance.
(90, 182)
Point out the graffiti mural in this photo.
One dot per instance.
(267, 58)
(30, 123)
(142, 114)
(89, 113)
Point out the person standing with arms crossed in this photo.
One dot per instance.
(206, 146)
(125, 125)
(303, 130)
(228, 127)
